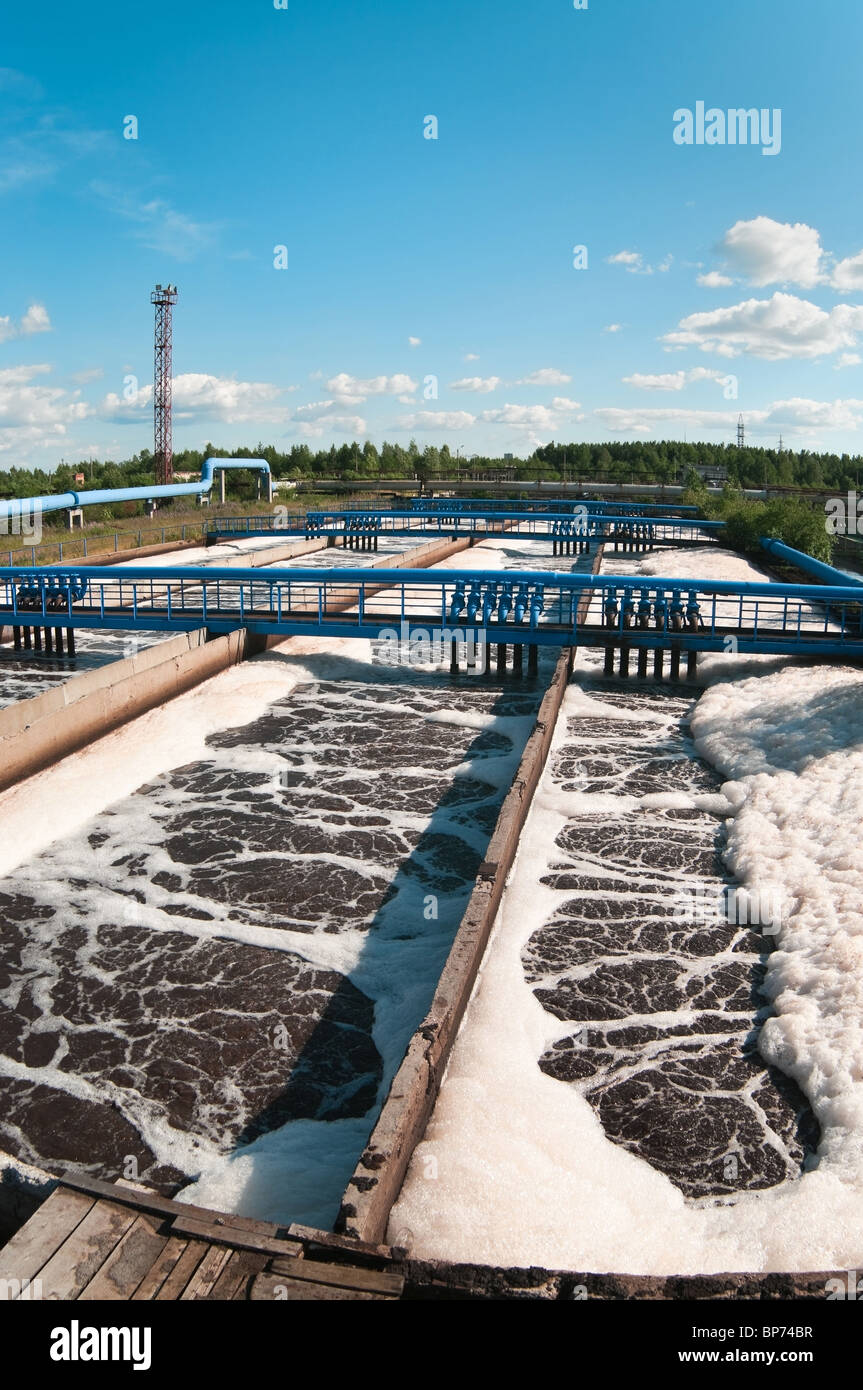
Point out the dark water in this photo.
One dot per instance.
(664, 1001)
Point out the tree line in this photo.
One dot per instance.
(663, 461)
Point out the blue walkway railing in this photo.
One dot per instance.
(652, 531)
(540, 608)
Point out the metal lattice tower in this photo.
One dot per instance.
(164, 297)
(741, 433)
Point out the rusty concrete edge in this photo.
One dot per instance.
(437, 1280)
(377, 1179)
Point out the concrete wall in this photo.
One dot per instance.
(36, 733)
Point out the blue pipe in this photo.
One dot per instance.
(807, 563)
(60, 501)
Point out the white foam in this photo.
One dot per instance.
(515, 1168)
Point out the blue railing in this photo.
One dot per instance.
(676, 531)
(540, 607)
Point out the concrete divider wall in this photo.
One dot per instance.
(378, 1177)
(38, 732)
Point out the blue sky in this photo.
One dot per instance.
(719, 279)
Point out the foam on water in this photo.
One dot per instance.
(523, 1173)
(92, 859)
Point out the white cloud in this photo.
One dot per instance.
(546, 376)
(438, 420)
(537, 417)
(158, 225)
(613, 328)
(314, 410)
(35, 320)
(353, 425)
(415, 342)
(797, 416)
(632, 260)
(645, 422)
(32, 413)
(766, 252)
(634, 263)
(802, 416)
(848, 359)
(200, 396)
(471, 357)
(482, 384)
(671, 381)
(775, 329)
(848, 274)
(713, 280)
(351, 390)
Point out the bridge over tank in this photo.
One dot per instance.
(569, 532)
(560, 505)
(540, 608)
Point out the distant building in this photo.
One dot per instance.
(712, 472)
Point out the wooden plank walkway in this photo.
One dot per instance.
(92, 1240)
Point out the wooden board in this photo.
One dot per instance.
(39, 1238)
(85, 1250)
(228, 1232)
(279, 1288)
(201, 1283)
(129, 1262)
(331, 1241)
(149, 1287)
(167, 1206)
(182, 1272)
(236, 1275)
(341, 1276)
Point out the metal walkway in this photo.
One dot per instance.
(539, 608)
(572, 531)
